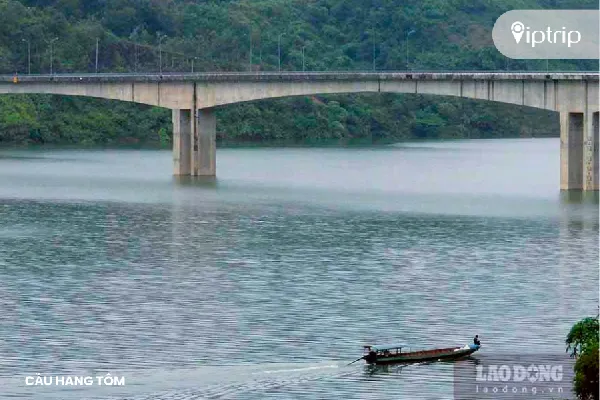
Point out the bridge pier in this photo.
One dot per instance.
(590, 151)
(205, 144)
(579, 151)
(182, 142)
(194, 142)
(571, 151)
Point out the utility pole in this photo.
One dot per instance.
(28, 55)
(97, 45)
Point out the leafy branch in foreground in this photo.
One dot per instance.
(583, 335)
(582, 342)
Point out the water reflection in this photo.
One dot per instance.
(208, 182)
(385, 369)
(579, 197)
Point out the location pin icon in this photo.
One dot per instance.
(517, 29)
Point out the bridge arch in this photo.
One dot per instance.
(538, 95)
(572, 92)
(192, 97)
(174, 95)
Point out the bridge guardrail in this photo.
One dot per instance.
(299, 76)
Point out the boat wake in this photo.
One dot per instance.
(275, 371)
(230, 382)
(252, 381)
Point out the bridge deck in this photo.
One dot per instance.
(304, 76)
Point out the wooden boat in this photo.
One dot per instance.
(389, 354)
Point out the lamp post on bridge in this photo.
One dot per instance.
(97, 45)
(408, 33)
(160, 39)
(373, 47)
(51, 42)
(303, 63)
(28, 55)
(374, 55)
(251, 44)
(279, 50)
(193, 59)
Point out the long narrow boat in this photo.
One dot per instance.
(392, 353)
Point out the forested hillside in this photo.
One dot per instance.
(230, 35)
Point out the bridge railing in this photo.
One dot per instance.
(301, 76)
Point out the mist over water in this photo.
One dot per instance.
(266, 282)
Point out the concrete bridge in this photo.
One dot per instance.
(193, 97)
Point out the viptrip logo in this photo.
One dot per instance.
(535, 37)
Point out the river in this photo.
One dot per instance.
(266, 282)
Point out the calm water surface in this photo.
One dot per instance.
(267, 282)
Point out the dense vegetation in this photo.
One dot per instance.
(241, 35)
(582, 342)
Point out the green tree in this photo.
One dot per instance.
(583, 335)
(582, 342)
(586, 374)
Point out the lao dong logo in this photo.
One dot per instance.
(519, 373)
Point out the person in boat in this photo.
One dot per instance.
(476, 340)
